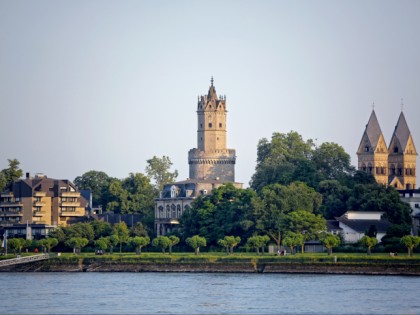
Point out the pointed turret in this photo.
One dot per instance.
(402, 156)
(372, 153)
(212, 95)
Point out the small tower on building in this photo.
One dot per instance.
(373, 153)
(402, 157)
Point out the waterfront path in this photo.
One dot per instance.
(23, 260)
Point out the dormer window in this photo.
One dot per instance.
(395, 149)
(173, 191)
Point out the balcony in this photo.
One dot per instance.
(70, 194)
(39, 213)
(78, 213)
(70, 204)
(11, 204)
(11, 213)
(40, 194)
(39, 203)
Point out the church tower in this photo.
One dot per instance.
(402, 157)
(372, 153)
(211, 160)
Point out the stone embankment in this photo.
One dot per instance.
(82, 265)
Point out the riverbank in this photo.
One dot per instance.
(356, 265)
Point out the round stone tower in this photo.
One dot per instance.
(211, 160)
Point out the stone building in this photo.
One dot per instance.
(211, 164)
(393, 165)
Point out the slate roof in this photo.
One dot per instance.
(373, 130)
(333, 225)
(401, 132)
(362, 226)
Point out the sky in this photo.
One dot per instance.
(106, 85)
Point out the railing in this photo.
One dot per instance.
(23, 260)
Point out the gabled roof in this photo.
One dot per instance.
(361, 226)
(401, 133)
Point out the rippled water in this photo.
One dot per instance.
(201, 293)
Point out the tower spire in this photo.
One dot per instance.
(402, 104)
(211, 80)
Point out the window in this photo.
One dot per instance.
(367, 148)
(220, 125)
(210, 125)
(395, 149)
(416, 205)
(201, 125)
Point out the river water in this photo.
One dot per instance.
(206, 293)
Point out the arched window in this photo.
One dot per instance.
(178, 211)
(392, 169)
(367, 148)
(168, 211)
(173, 211)
(395, 149)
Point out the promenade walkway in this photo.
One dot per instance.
(23, 260)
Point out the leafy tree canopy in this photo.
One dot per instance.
(157, 169)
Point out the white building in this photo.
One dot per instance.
(354, 225)
(412, 197)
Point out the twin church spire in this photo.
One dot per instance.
(393, 165)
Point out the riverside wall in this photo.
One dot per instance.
(212, 267)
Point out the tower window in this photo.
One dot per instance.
(367, 148)
(210, 125)
(220, 125)
(396, 150)
(201, 125)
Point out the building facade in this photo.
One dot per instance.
(40, 201)
(393, 165)
(211, 164)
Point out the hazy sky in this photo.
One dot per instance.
(105, 85)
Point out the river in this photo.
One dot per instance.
(206, 293)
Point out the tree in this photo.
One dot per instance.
(138, 230)
(16, 244)
(227, 211)
(139, 242)
(158, 170)
(13, 172)
(50, 242)
(276, 201)
(3, 181)
(229, 242)
(410, 242)
(174, 240)
(77, 243)
(368, 242)
(331, 161)
(257, 242)
(196, 242)
(102, 243)
(283, 160)
(121, 231)
(81, 230)
(305, 223)
(330, 241)
(162, 242)
(113, 241)
(101, 228)
(98, 183)
(292, 239)
(334, 198)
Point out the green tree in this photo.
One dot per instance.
(334, 198)
(157, 169)
(16, 244)
(229, 242)
(306, 223)
(113, 241)
(330, 241)
(59, 234)
(102, 243)
(227, 211)
(50, 242)
(81, 230)
(13, 172)
(101, 229)
(162, 242)
(292, 239)
(138, 230)
(98, 183)
(368, 242)
(139, 242)
(77, 243)
(196, 242)
(282, 160)
(276, 201)
(257, 242)
(3, 181)
(174, 240)
(121, 231)
(410, 242)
